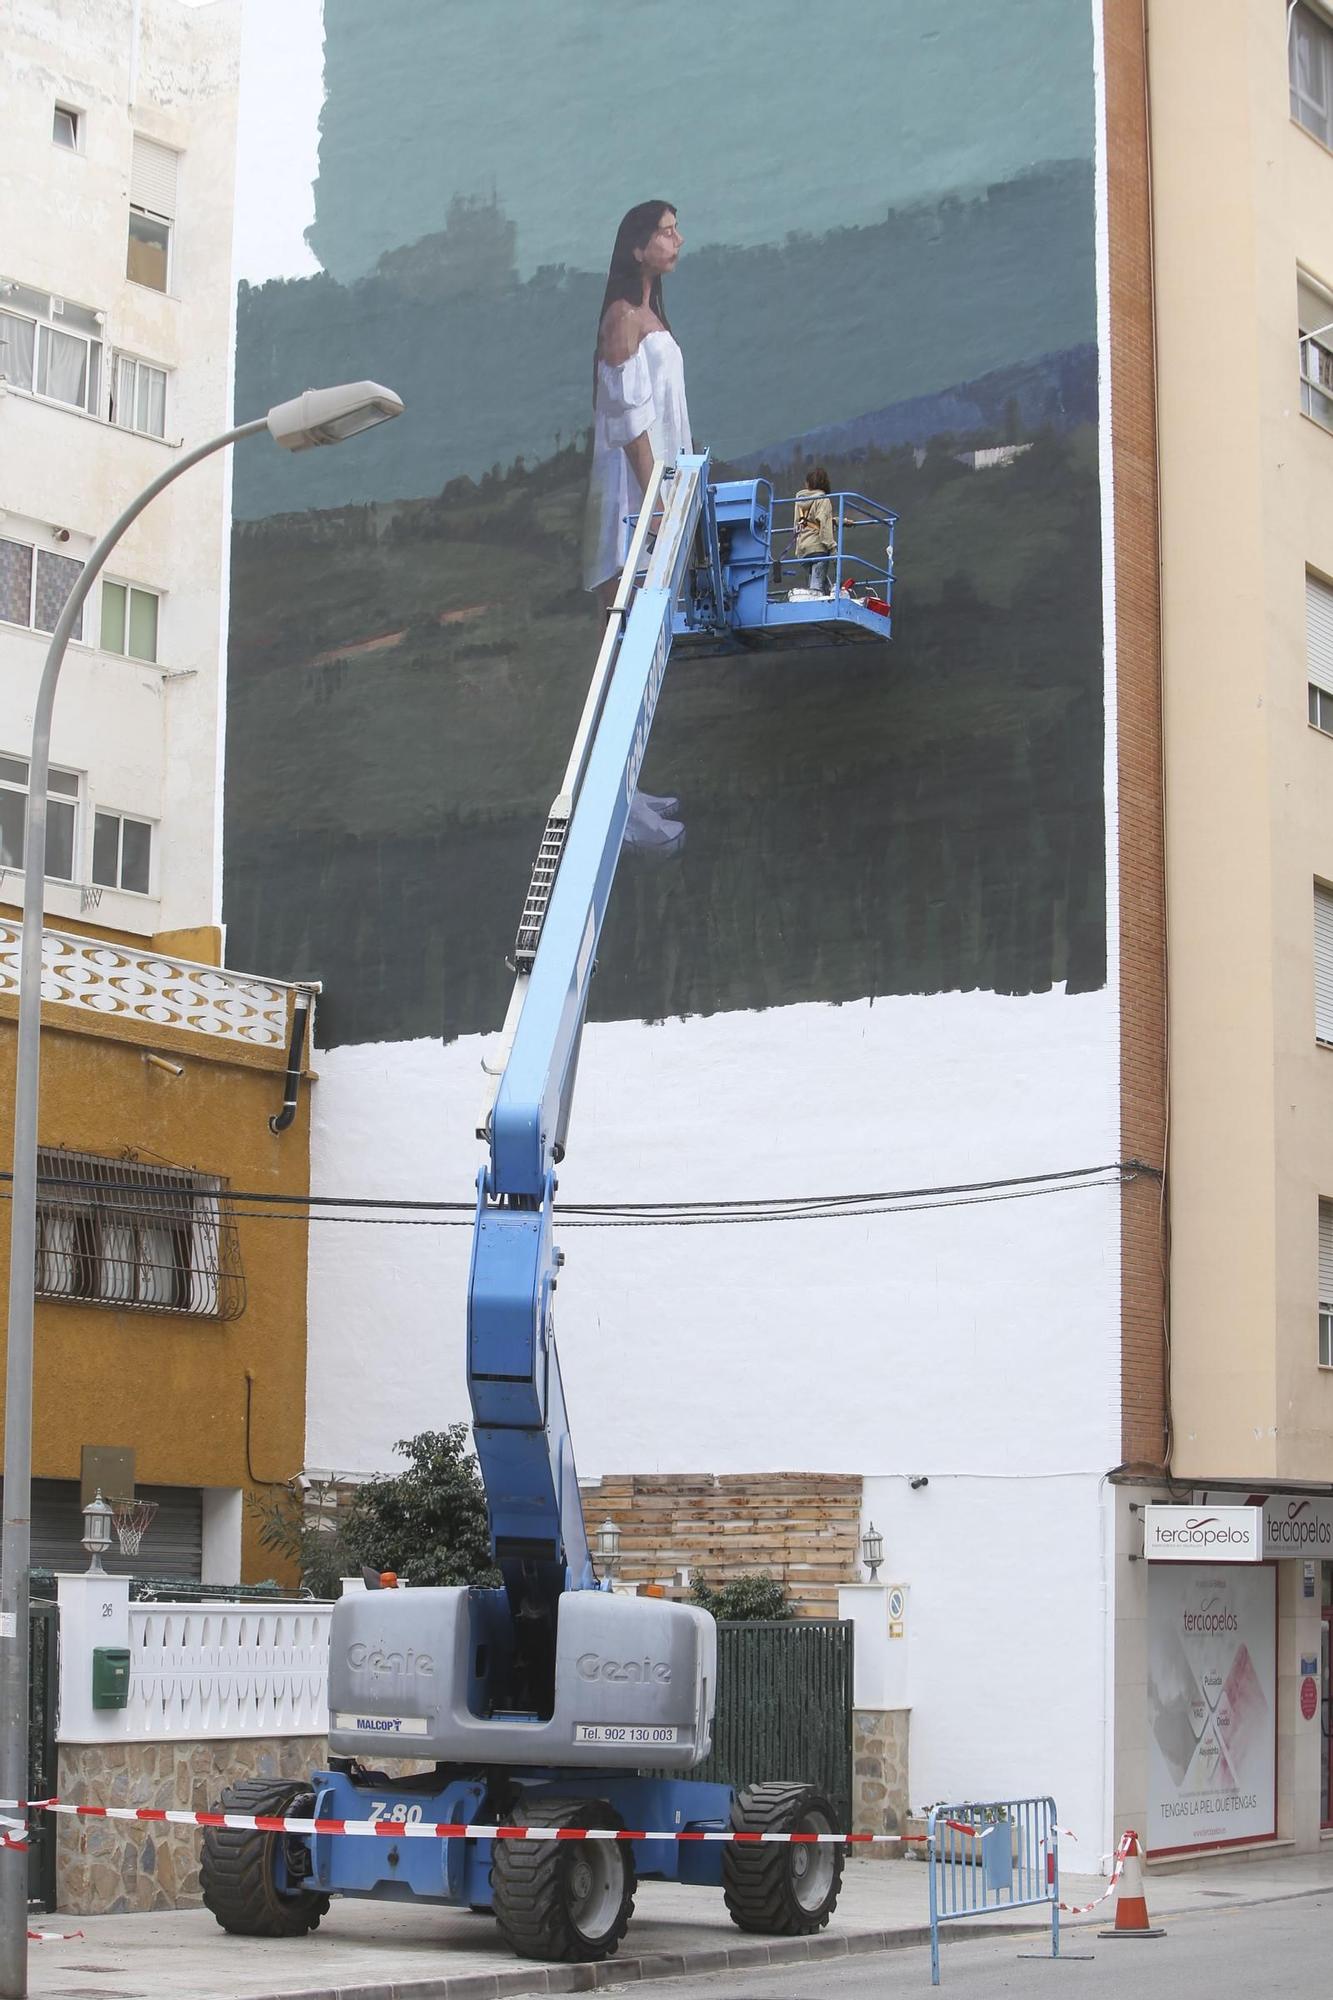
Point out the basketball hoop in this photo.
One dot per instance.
(133, 1519)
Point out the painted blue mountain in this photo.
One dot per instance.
(1056, 391)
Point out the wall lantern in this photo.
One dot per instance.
(872, 1550)
(97, 1518)
(608, 1548)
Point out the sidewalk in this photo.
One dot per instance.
(385, 1951)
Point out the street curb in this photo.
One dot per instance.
(622, 1971)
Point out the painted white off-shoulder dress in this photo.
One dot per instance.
(644, 394)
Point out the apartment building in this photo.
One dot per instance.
(170, 1330)
(1236, 1655)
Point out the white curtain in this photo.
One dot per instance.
(17, 340)
(204, 1255)
(150, 411)
(62, 370)
(158, 1270)
(115, 1274)
(55, 1257)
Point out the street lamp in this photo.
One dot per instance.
(320, 416)
(607, 1543)
(96, 1538)
(872, 1550)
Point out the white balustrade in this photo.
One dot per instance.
(117, 981)
(208, 1670)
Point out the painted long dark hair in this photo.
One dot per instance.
(624, 280)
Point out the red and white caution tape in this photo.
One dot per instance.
(383, 1829)
(955, 1826)
(1081, 1909)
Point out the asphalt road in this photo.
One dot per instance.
(1231, 1953)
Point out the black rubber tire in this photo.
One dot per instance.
(536, 1883)
(771, 1890)
(236, 1869)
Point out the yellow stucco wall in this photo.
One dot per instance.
(170, 1385)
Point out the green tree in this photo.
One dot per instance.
(427, 1522)
(745, 1597)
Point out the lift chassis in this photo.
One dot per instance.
(547, 1701)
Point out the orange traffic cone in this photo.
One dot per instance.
(1131, 1905)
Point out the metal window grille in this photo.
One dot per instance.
(143, 1238)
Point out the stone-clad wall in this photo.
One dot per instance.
(880, 1800)
(110, 1866)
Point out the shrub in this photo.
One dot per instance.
(427, 1522)
(745, 1597)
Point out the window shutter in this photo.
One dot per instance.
(1323, 964)
(153, 178)
(1319, 633)
(1326, 1254)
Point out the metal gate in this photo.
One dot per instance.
(43, 1783)
(784, 1706)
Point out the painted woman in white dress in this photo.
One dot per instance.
(639, 414)
(639, 410)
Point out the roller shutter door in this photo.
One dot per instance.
(1319, 633)
(1326, 1254)
(153, 178)
(172, 1546)
(1323, 963)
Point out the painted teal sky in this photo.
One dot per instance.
(831, 112)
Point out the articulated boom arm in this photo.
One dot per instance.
(522, 1437)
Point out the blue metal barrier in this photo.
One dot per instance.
(1002, 1854)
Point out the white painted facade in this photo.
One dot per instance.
(142, 736)
(975, 1344)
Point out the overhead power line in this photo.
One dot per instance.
(410, 1212)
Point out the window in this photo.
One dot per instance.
(117, 1233)
(129, 621)
(152, 213)
(1323, 963)
(34, 584)
(1319, 652)
(62, 812)
(50, 346)
(1315, 309)
(122, 852)
(1310, 71)
(1325, 1285)
(65, 128)
(138, 395)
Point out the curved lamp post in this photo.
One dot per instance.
(320, 416)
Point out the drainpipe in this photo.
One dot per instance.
(302, 1018)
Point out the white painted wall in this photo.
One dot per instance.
(1010, 1578)
(954, 1337)
(976, 1344)
(143, 738)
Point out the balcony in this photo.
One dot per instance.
(141, 995)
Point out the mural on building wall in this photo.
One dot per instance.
(881, 261)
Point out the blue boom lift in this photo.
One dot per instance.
(541, 1702)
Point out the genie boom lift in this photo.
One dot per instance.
(543, 1702)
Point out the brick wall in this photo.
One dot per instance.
(1139, 829)
(802, 1527)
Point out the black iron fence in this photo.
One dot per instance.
(784, 1706)
(43, 1781)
